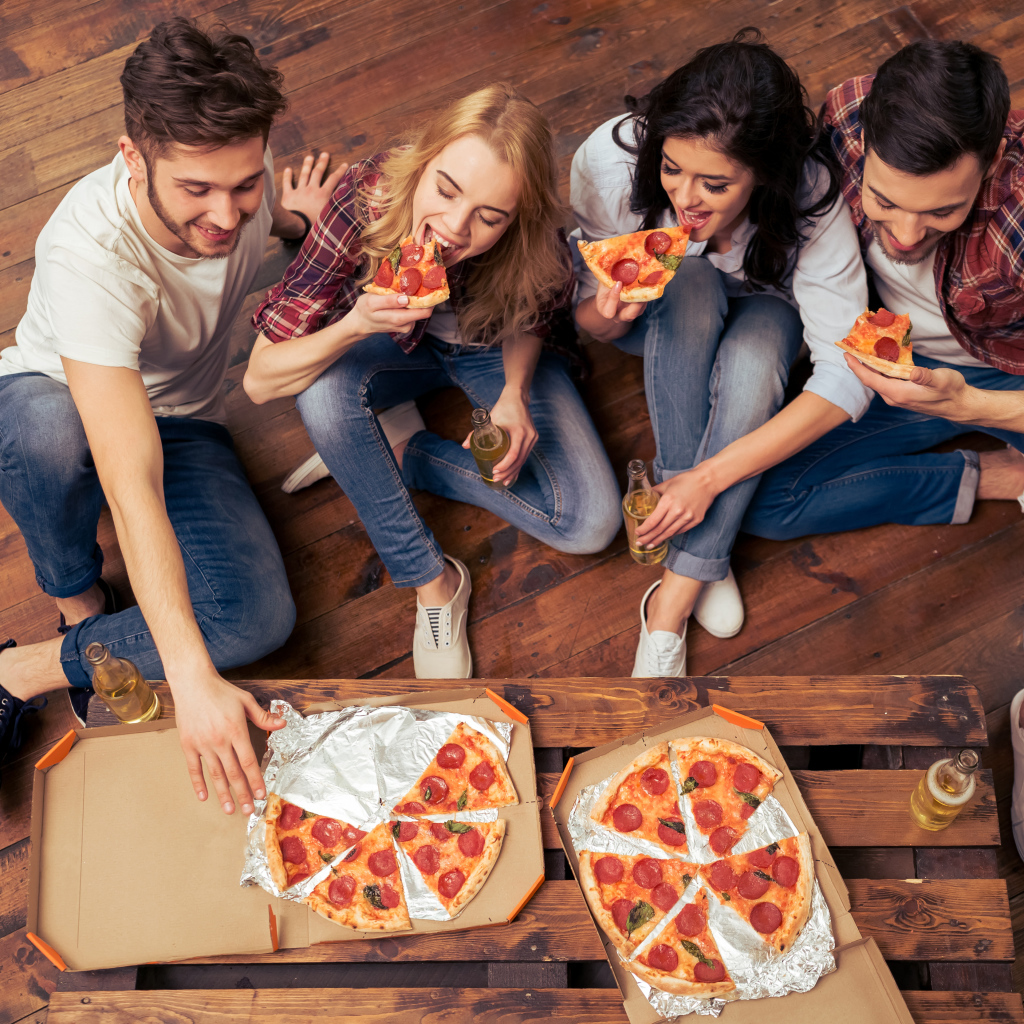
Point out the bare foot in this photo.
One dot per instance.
(399, 449)
(440, 590)
(1002, 474)
(81, 606)
(670, 605)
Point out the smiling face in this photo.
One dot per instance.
(196, 202)
(465, 199)
(709, 191)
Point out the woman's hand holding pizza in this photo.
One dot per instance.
(511, 412)
(380, 314)
(684, 502)
(608, 303)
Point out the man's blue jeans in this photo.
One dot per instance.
(715, 369)
(566, 494)
(870, 472)
(48, 484)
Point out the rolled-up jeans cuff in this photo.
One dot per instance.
(71, 657)
(968, 487)
(708, 570)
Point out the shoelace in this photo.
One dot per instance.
(13, 719)
(660, 661)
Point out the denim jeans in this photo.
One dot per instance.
(566, 494)
(715, 368)
(870, 472)
(48, 484)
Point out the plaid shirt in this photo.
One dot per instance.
(320, 286)
(979, 268)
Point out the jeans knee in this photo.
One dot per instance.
(50, 435)
(257, 621)
(595, 525)
(333, 399)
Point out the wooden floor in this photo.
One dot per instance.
(889, 599)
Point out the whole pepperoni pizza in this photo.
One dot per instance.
(882, 341)
(413, 270)
(644, 261)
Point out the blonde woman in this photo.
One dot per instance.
(479, 179)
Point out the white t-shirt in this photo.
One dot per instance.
(828, 285)
(104, 292)
(910, 289)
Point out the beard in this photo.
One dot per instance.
(909, 259)
(188, 235)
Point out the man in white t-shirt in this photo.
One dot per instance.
(115, 390)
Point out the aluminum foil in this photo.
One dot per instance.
(758, 971)
(355, 765)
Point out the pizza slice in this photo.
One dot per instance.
(725, 783)
(770, 888)
(629, 895)
(299, 843)
(364, 890)
(466, 774)
(685, 959)
(413, 270)
(454, 857)
(644, 261)
(642, 802)
(882, 341)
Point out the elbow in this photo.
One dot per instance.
(259, 391)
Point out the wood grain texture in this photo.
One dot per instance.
(964, 1007)
(27, 978)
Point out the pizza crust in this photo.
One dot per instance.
(901, 371)
(680, 986)
(648, 759)
(474, 883)
(435, 298)
(275, 862)
(715, 746)
(785, 935)
(592, 891)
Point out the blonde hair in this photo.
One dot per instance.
(527, 267)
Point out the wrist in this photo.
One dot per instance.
(297, 228)
(712, 475)
(516, 392)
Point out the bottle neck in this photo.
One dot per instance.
(485, 433)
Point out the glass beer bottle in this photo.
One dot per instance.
(489, 445)
(944, 791)
(637, 505)
(121, 686)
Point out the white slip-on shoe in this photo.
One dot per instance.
(440, 647)
(305, 473)
(719, 608)
(400, 422)
(1017, 802)
(660, 653)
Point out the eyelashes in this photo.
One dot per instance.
(240, 188)
(446, 195)
(715, 190)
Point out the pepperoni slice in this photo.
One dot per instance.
(786, 871)
(352, 854)
(385, 275)
(292, 850)
(290, 817)
(888, 348)
(389, 897)
(664, 896)
(657, 243)
(647, 873)
(704, 772)
(654, 781)
(716, 972)
(412, 807)
(471, 842)
(451, 755)
(669, 836)
(653, 278)
(625, 271)
(746, 811)
(883, 318)
(434, 789)
(340, 891)
(608, 870)
(482, 776)
(353, 834)
(627, 817)
(327, 831)
(708, 813)
(723, 877)
(746, 778)
(409, 281)
(382, 863)
(434, 278)
(450, 883)
(620, 913)
(439, 832)
(407, 830)
(411, 255)
(761, 858)
(690, 920)
(723, 839)
(752, 886)
(427, 859)
(663, 958)
(300, 877)
(765, 918)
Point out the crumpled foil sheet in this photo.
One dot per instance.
(756, 969)
(355, 765)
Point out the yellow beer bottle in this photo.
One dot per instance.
(489, 445)
(945, 790)
(121, 686)
(637, 505)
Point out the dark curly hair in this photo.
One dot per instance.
(184, 86)
(746, 101)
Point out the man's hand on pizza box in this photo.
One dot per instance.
(211, 716)
(611, 307)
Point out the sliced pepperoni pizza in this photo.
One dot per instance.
(299, 843)
(882, 341)
(644, 261)
(629, 895)
(725, 783)
(467, 774)
(364, 890)
(770, 887)
(413, 270)
(685, 960)
(454, 857)
(642, 802)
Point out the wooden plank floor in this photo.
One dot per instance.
(886, 600)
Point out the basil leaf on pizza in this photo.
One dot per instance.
(639, 915)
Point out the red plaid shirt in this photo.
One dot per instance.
(320, 287)
(979, 268)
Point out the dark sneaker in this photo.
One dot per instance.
(12, 718)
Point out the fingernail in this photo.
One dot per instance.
(228, 808)
(201, 794)
(247, 808)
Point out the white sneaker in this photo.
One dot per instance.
(440, 647)
(400, 422)
(719, 608)
(660, 653)
(306, 473)
(1017, 802)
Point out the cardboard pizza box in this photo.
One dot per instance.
(861, 989)
(127, 867)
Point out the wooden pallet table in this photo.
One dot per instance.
(858, 745)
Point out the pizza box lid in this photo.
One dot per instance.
(863, 989)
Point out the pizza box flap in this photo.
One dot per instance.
(127, 866)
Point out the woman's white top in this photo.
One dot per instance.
(828, 285)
